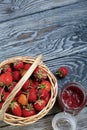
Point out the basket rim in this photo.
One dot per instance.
(15, 120)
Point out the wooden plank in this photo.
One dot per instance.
(26, 7)
(52, 33)
(61, 38)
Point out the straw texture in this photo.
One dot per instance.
(21, 121)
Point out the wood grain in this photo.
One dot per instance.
(55, 29)
(50, 33)
(27, 7)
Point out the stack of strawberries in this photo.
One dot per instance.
(35, 92)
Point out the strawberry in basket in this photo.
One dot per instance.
(40, 73)
(34, 94)
(6, 79)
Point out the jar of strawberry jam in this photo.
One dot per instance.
(72, 98)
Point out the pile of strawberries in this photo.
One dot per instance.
(33, 96)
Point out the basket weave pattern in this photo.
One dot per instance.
(15, 120)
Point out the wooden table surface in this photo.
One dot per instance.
(57, 29)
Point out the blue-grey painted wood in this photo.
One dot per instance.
(26, 7)
(59, 32)
(54, 33)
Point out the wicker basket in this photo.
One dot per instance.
(15, 120)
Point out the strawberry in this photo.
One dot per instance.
(26, 85)
(16, 109)
(32, 96)
(22, 99)
(16, 75)
(18, 65)
(27, 66)
(42, 93)
(28, 110)
(40, 73)
(47, 98)
(5, 95)
(46, 85)
(34, 84)
(62, 72)
(6, 79)
(39, 104)
(7, 68)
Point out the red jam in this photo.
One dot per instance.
(72, 97)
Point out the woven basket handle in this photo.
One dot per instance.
(19, 86)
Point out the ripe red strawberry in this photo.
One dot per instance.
(39, 104)
(42, 93)
(46, 85)
(62, 72)
(6, 79)
(18, 65)
(47, 98)
(5, 95)
(40, 73)
(26, 85)
(16, 109)
(28, 110)
(34, 84)
(27, 66)
(32, 96)
(7, 68)
(16, 75)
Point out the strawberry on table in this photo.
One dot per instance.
(18, 65)
(62, 72)
(28, 110)
(39, 104)
(6, 79)
(40, 73)
(16, 109)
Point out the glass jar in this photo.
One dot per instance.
(64, 121)
(72, 98)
